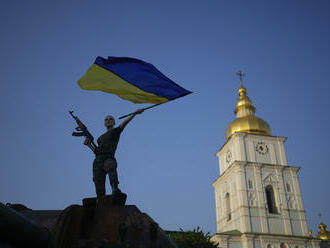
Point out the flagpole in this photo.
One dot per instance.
(152, 106)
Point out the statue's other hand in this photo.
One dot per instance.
(87, 142)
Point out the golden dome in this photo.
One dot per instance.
(246, 121)
(323, 233)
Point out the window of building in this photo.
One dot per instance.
(250, 184)
(282, 245)
(271, 200)
(228, 210)
(288, 187)
(269, 246)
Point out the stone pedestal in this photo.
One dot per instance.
(107, 222)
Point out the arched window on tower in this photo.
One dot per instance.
(271, 200)
(282, 245)
(228, 210)
(288, 187)
(250, 184)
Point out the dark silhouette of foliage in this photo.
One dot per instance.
(195, 238)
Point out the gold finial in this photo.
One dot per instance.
(241, 75)
(310, 232)
(246, 121)
(323, 233)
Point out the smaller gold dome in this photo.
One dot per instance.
(323, 233)
(246, 121)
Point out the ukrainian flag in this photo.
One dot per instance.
(131, 79)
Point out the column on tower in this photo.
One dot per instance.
(242, 196)
(284, 202)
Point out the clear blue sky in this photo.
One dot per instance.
(166, 156)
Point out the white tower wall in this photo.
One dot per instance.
(250, 163)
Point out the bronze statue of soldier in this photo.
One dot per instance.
(105, 161)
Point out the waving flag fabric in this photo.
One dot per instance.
(131, 79)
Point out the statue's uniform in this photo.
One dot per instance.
(105, 162)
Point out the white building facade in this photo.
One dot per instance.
(258, 198)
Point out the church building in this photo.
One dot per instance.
(257, 195)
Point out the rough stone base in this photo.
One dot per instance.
(107, 223)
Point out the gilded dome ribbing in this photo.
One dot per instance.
(323, 233)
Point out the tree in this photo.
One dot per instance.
(195, 238)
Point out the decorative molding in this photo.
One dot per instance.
(252, 198)
(271, 178)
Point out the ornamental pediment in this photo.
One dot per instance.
(270, 178)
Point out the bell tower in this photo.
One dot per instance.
(257, 195)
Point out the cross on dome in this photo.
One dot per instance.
(241, 75)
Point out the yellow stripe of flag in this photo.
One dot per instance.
(98, 78)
